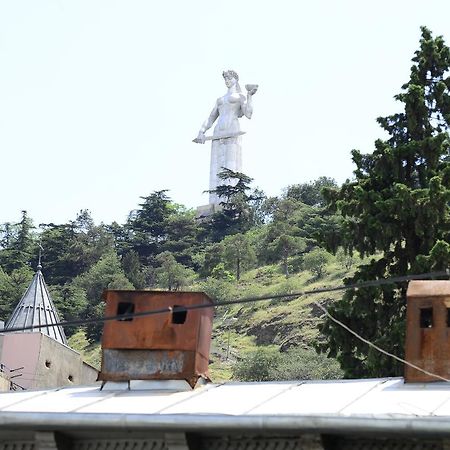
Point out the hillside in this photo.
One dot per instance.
(394, 210)
(274, 325)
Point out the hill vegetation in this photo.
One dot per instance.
(391, 219)
(254, 246)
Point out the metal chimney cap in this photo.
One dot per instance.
(428, 288)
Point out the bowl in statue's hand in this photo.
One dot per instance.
(251, 87)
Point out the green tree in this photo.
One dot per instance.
(133, 269)
(219, 289)
(283, 238)
(316, 261)
(209, 258)
(146, 227)
(70, 302)
(91, 242)
(5, 297)
(305, 364)
(397, 207)
(311, 193)
(170, 274)
(182, 241)
(238, 253)
(16, 244)
(73, 248)
(24, 240)
(158, 226)
(267, 364)
(241, 206)
(12, 288)
(257, 365)
(7, 233)
(57, 241)
(221, 273)
(316, 224)
(345, 259)
(285, 245)
(107, 273)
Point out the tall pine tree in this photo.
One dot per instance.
(16, 244)
(397, 209)
(240, 205)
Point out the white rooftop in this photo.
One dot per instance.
(374, 403)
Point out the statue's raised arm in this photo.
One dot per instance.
(226, 149)
(247, 106)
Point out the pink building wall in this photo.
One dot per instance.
(46, 362)
(21, 350)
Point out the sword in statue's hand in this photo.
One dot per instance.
(218, 138)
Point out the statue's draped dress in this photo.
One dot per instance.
(225, 153)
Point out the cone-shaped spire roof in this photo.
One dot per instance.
(36, 308)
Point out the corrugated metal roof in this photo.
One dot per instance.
(36, 308)
(374, 397)
(385, 405)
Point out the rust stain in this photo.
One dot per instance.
(149, 347)
(427, 330)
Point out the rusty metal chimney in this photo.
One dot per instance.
(428, 329)
(169, 346)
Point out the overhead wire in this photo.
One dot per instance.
(285, 296)
(364, 284)
(371, 344)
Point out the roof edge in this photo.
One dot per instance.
(367, 424)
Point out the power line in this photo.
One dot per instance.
(286, 296)
(371, 344)
(365, 284)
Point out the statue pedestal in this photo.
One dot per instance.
(205, 211)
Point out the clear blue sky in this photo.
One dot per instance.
(100, 99)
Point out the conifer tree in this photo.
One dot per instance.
(239, 205)
(397, 209)
(16, 244)
(147, 226)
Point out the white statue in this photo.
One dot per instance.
(226, 151)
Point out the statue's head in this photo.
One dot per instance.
(231, 78)
(230, 74)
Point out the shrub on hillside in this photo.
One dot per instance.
(305, 364)
(316, 261)
(266, 363)
(220, 273)
(257, 365)
(218, 289)
(345, 259)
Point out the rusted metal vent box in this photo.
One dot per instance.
(169, 346)
(428, 330)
